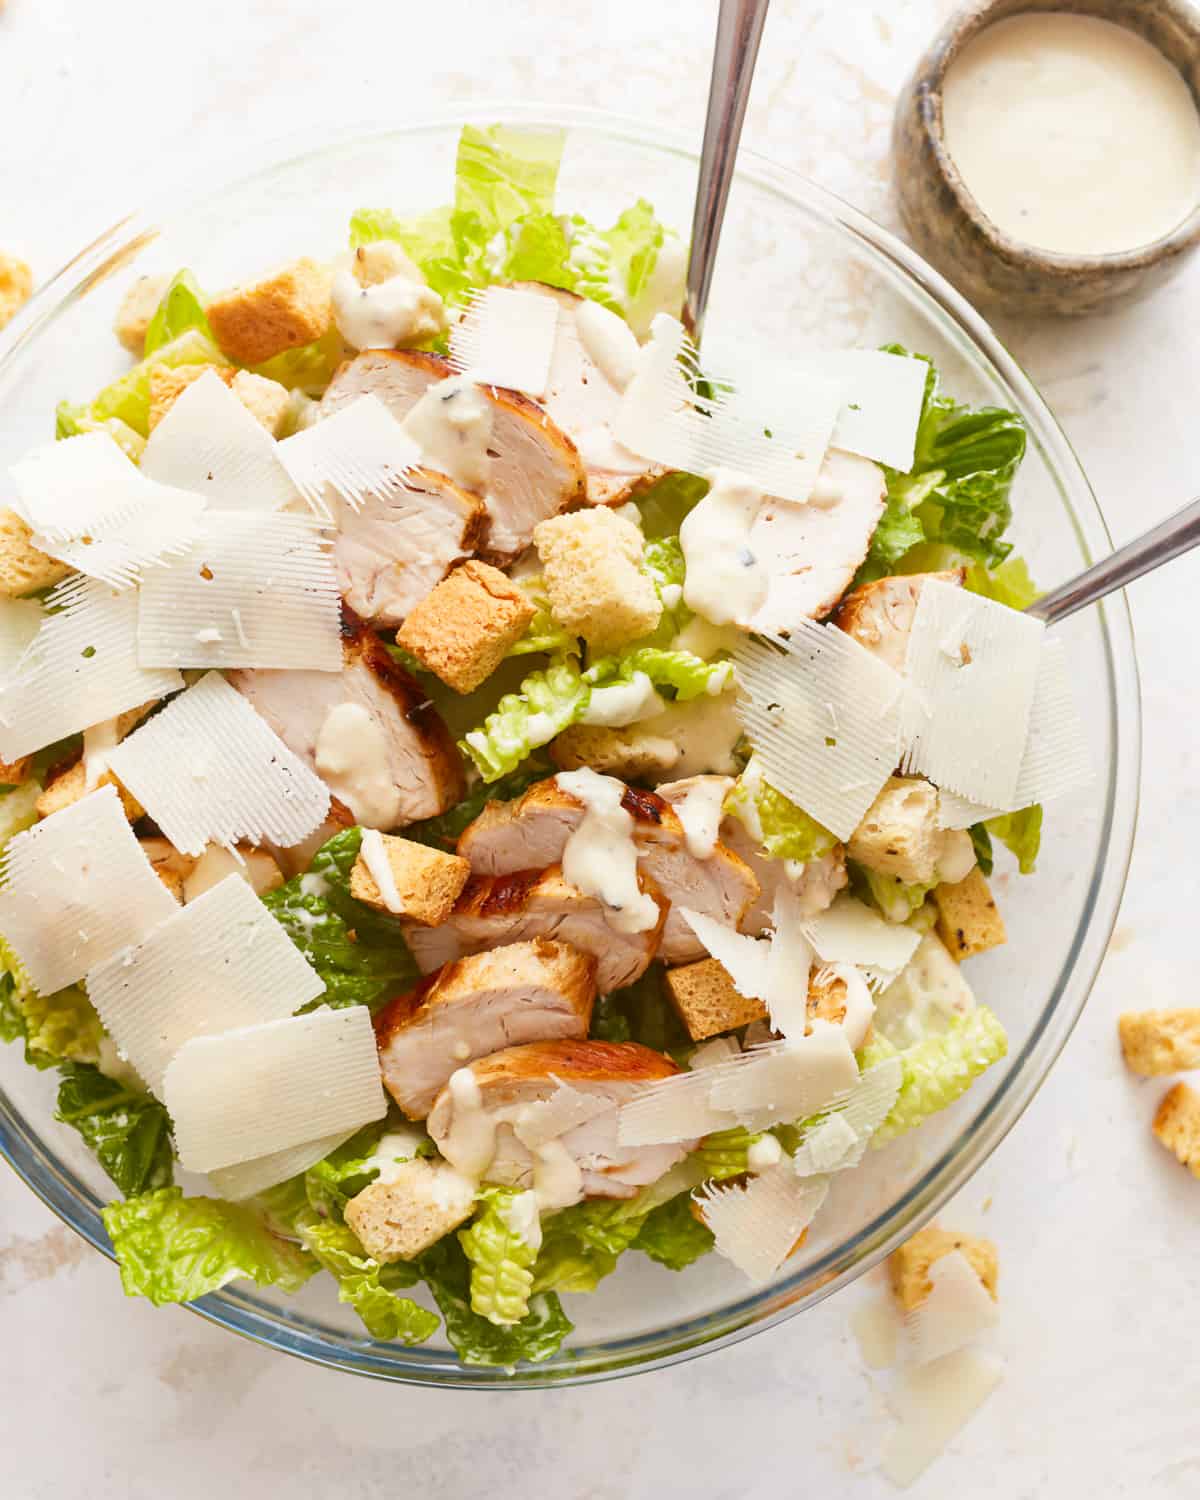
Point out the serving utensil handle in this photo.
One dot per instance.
(739, 31)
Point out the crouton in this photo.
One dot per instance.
(466, 626)
(15, 772)
(1160, 1041)
(1177, 1126)
(168, 383)
(968, 921)
(70, 785)
(707, 1000)
(826, 998)
(381, 260)
(171, 867)
(16, 286)
(591, 561)
(283, 310)
(423, 1201)
(909, 1266)
(632, 753)
(899, 834)
(137, 308)
(268, 402)
(24, 568)
(427, 882)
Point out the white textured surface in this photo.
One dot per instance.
(98, 106)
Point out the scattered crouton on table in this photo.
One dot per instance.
(1177, 1126)
(1160, 1041)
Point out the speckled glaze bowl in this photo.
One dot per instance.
(949, 228)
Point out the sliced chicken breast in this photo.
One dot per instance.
(524, 992)
(583, 401)
(296, 859)
(510, 1082)
(813, 551)
(403, 542)
(399, 762)
(880, 615)
(536, 471)
(527, 904)
(814, 884)
(533, 830)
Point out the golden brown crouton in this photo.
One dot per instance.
(1160, 1041)
(708, 1001)
(899, 834)
(268, 402)
(1177, 1125)
(15, 772)
(137, 308)
(24, 568)
(70, 785)
(591, 560)
(632, 753)
(398, 1219)
(380, 260)
(968, 920)
(909, 1266)
(168, 383)
(466, 626)
(171, 867)
(285, 309)
(16, 286)
(427, 882)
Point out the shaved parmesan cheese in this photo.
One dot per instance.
(20, 621)
(859, 1008)
(850, 933)
(547, 1119)
(261, 1089)
(676, 1109)
(785, 1080)
(250, 1177)
(883, 397)
(756, 1226)
(789, 963)
(956, 1312)
(80, 669)
(210, 443)
(877, 1327)
(77, 887)
(823, 715)
(718, 1049)
(209, 770)
(218, 962)
(934, 1403)
(258, 590)
(506, 337)
(745, 959)
(972, 668)
(358, 452)
(841, 1139)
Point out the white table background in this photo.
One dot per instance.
(100, 103)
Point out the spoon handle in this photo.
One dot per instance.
(1169, 539)
(739, 31)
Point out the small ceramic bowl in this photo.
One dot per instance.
(949, 228)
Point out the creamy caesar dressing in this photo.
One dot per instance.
(704, 731)
(470, 1143)
(623, 703)
(763, 1153)
(600, 857)
(99, 742)
(389, 315)
(379, 867)
(955, 856)
(352, 759)
(452, 426)
(394, 1148)
(521, 1217)
(699, 810)
(557, 1179)
(1072, 134)
(725, 581)
(608, 342)
(702, 638)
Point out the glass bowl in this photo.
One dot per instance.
(799, 270)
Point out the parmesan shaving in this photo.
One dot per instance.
(956, 1312)
(934, 1403)
(841, 1138)
(850, 933)
(77, 887)
(884, 394)
(547, 1119)
(756, 1226)
(676, 1109)
(220, 961)
(789, 963)
(209, 770)
(210, 443)
(80, 669)
(261, 1089)
(972, 669)
(359, 451)
(784, 698)
(506, 338)
(745, 959)
(250, 1177)
(786, 1080)
(718, 1049)
(258, 590)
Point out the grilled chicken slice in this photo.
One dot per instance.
(536, 471)
(812, 551)
(583, 401)
(880, 615)
(296, 859)
(536, 904)
(509, 1082)
(532, 831)
(395, 761)
(814, 884)
(525, 992)
(403, 542)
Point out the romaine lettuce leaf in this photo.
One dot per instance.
(180, 309)
(546, 704)
(449, 248)
(128, 399)
(332, 1182)
(538, 1335)
(129, 1131)
(938, 1069)
(725, 1153)
(359, 953)
(981, 842)
(501, 1259)
(70, 420)
(362, 1284)
(689, 675)
(672, 1235)
(784, 830)
(62, 1027)
(308, 369)
(543, 634)
(175, 1249)
(504, 171)
(887, 893)
(666, 503)
(641, 1012)
(1021, 834)
(581, 1244)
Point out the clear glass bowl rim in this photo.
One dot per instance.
(243, 1312)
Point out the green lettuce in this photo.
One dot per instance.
(689, 676)
(504, 171)
(581, 1245)
(476, 1341)
(359, 953)
(938, 1069)
(332, 1182)
(546, 704)
(62, 1027)
(180, 310)
(543, 634)
(641, 1012)
(887, 893)
(175, 1249)
(1021, 834)
(443, 832)
(726, 1153)
(784, 830)
(666, 503)
(128, 398)
(981, 842)
(70, 420)
(308, 369)
(501, 1259)
(448, 248)
(129, 1131)
(363, 1283)
(672, 1235)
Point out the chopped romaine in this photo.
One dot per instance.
(784, 830)
(180, 309)
(547, 703)
(502, 1253)
(672, 1234)
(363, 1283)
(128, 399)
(1021, 834)
(939, 1068)
(475, 1340)
(128, 1130)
